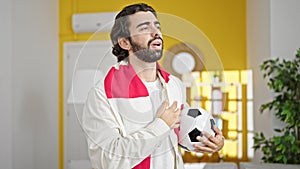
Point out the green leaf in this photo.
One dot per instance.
(283, 150)
(277, 130)
(279, 148)
(283, 79)
(284, 159)
(256, 147)
(279, 157)
(277, 140)
(266, 150)
(262, 135)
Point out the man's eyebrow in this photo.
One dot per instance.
(157, 22)
(141, 24)
(147, 23)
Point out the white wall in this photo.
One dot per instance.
(5, 85)
(29, 60)
(285, 33)
(35, 84)
(272, 31)
(258, 49)
(285, 28)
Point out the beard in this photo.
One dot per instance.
(147, 54)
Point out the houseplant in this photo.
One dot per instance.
(284, 80)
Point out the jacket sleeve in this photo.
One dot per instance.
(108, 145)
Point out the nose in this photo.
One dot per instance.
(155, 31)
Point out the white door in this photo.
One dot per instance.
(84, 62)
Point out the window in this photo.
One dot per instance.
(228, 95)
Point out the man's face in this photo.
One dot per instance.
(146, 39)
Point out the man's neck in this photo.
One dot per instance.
(146, 71)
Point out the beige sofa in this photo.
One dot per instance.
(223, 165)
(248, 165)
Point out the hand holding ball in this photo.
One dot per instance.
(193, 122)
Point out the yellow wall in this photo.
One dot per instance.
(223, 22)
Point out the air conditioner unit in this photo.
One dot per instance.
(93, 22)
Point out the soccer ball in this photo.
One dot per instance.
(193, 122)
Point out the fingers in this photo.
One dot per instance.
(208, 143)
(203, 149)
(177, 113)
(212, 143)
(217, 130)
(217, 139)
(173, 106)
(165, 105)
(162, 108)
(181, 106)
(170, 114)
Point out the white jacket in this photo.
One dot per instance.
(118, 120)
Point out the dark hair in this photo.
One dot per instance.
(121, 25)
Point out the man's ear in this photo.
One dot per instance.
(124, 43)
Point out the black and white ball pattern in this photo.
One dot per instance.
(193, 122)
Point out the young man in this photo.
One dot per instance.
(131, 115)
